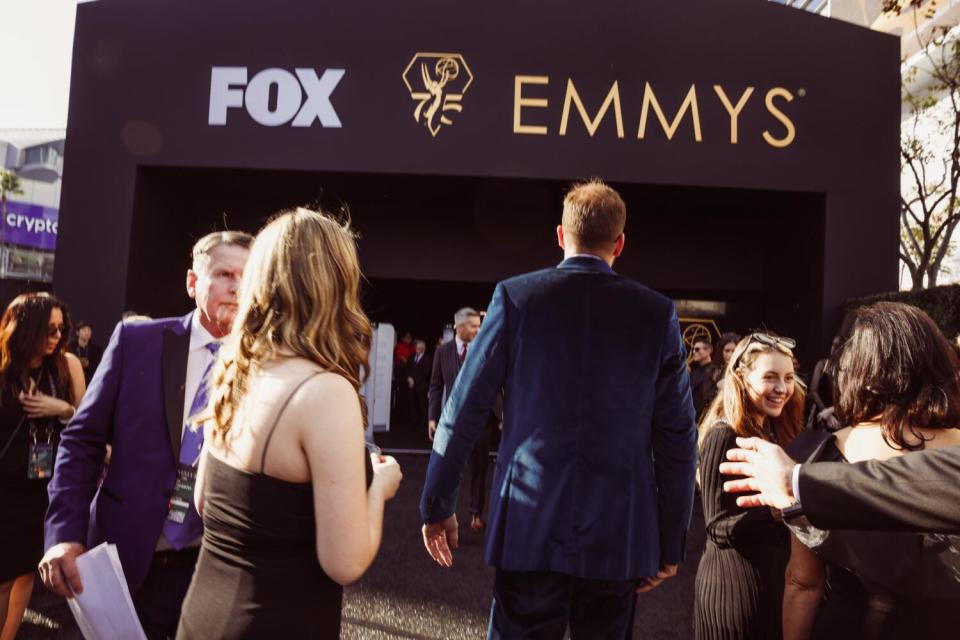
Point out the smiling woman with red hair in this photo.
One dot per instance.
(739, 586)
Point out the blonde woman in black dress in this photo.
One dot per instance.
(287, 512)
(739, 584)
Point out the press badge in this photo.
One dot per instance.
(182, 493)
(40, 463)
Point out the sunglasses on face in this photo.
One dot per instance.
(768, 340)
(55, 330)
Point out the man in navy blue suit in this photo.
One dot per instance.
(594, 485)
(152, 380)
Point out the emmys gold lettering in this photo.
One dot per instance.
(690, 102)
(671, 124)
(437, 82)
(519, 102)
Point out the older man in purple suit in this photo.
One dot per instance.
(153, 380)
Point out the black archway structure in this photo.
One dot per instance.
(756, 146)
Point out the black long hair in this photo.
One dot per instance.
(23, 336)
(896, 365)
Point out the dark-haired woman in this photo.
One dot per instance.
(724, 351)
(897, 388)
(739, 584)
(40, 386)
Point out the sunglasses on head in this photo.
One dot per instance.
(768, 340)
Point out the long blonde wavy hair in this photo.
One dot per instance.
(300, 293)
(733, 405)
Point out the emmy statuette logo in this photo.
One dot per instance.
(437, 82)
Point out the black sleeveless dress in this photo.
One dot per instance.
(258, 575)
(24, 499)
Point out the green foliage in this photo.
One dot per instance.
(9, 184)
(941, 303)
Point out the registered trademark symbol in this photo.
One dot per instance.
(802, 92)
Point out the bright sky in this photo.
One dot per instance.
(36, 46)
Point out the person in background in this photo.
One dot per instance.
(821, 414)
(41, 385)
(448, 360)
(403, 349)
(739, 584)
(282, 484)
(86, 350)
(151, 383)
(703, 385)
(418, 371)
(898, 390)
(722, 354)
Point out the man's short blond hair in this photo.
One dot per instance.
(593, 215)
(206, 244)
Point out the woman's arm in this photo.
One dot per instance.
(349, 518)
(726, 523)
(803, 591)
(201, 468)
(78, 384)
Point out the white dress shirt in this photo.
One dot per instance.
(198, 358)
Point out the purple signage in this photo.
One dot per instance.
(31, 225)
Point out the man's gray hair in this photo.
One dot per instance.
(460, 317)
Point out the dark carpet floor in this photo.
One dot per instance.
(406, 595)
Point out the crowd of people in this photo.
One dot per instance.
(241, 494)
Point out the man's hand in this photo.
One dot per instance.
(431, 429)
(440, 538)
(58, 569)
(768, 469)
(410, 382)
(649, 584)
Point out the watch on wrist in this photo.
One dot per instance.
(794, 514)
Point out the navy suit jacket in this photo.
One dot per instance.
(595, 476)
(135, 404)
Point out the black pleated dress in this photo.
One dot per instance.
(740, 580)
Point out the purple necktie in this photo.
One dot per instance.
(180, 534)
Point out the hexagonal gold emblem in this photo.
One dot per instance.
(437, 83)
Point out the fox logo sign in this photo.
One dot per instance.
(303, 97)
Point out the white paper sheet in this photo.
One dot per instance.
(104, 611)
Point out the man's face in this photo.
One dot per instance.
(215, 287)
(85, 333)
(701, 353)
(468, 330)
(421, 346)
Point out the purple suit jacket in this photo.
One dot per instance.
(135, 404)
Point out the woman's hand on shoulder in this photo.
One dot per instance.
(386, 475)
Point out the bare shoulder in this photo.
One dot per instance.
(71, 359)
(325, 398)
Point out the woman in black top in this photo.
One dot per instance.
(739, 584)
(898, 389)
(281, 486)
(40, 386)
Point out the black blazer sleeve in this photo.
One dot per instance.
(916, 492)
(435, 393)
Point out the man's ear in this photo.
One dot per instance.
(191, 283)
(560, 236)
(618, 245)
